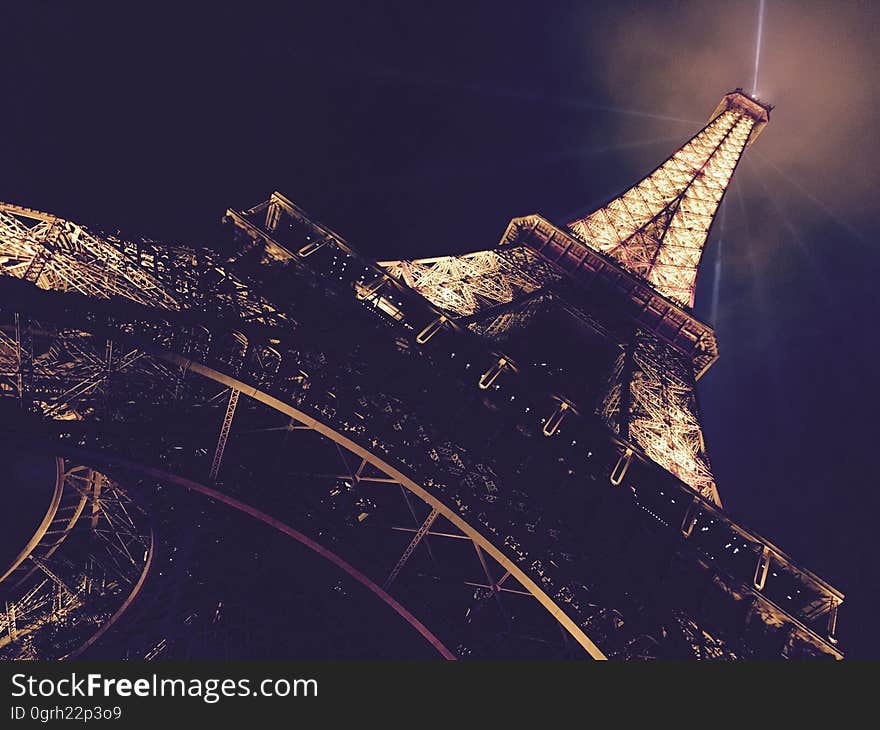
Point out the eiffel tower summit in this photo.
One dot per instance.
(276, 447)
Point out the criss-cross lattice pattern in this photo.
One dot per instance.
(467, 284)
(657, 228)
(59, 255)
(654, 400)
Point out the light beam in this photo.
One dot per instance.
(758, 46)
(716, 283)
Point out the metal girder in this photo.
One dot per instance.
(65, 401)
(414, 543)
(493, 585)
(73, 590)
(225, 428)
(58, 254)
(394, 429)
(470, 284)
(97, 481)
(35, 267)
(24, 355)
(412, 511)
(411, 432)
(499, 589)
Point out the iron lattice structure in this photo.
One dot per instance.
(79, 573)
(503, 447)
(656, 230)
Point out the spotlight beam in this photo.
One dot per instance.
(758, 45)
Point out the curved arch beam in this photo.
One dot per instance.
(564, 619)
(44, 525)
(105, 627)
(251, 511)
(61, 483)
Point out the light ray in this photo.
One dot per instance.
(765, 341)
(810, 196)
(758, 45)
(528, 96)
(794, 233)
(596, 151)
(719, 250)
(757, 284)
(517, 162)
(658, 227)
(581, 152)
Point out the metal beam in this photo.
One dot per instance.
(97, 481)
(417, 538)
(66, 399)
(24, 356)
(500, 590)
(432, 533)
(493, 585)
(224, 432)
(412, 511)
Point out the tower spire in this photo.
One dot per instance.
(657, 228)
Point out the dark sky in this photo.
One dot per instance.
(418, 128)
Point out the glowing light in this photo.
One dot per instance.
(716, 283)
(758, 48)
(658, 228)
(59, 255)
(464, 284)
(662, 417)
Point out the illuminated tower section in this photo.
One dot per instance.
(655, 231)
(658, 228)
(501, 449)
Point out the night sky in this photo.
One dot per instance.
(418, 128)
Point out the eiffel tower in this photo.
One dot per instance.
(501, 449)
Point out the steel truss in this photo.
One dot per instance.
(651, 401)
(418, 436)
(316, 387)
(658, 228)
(58, 255)
(80, 573)
(467, 284)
